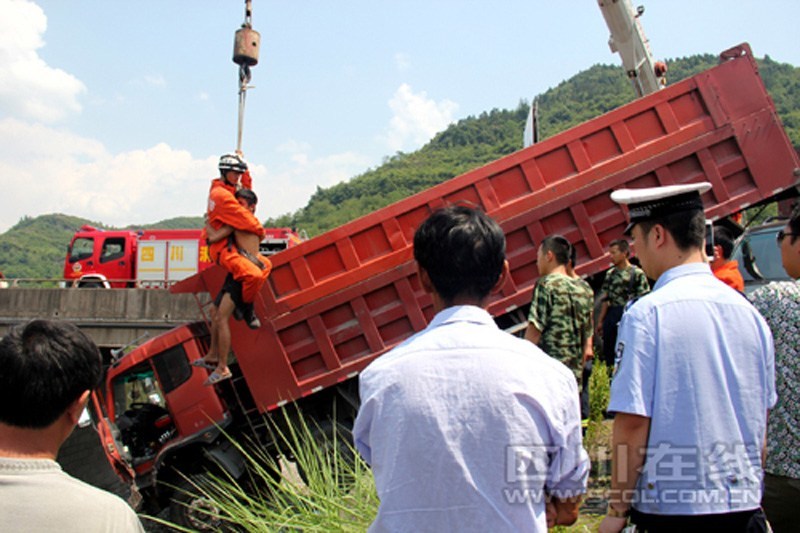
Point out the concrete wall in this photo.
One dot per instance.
(112, 317)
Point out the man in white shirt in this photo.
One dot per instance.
(466, 427)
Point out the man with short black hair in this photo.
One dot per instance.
(48, 372)
(560, 316)
(694, 380)
(722, 266)
(466, 427)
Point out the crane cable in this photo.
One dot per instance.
(245, 54)
(244, 79)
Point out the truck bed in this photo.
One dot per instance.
(337, 301)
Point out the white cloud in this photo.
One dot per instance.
(416, 118)
(29, 88)
(53, 171)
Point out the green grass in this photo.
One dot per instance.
(318, 485)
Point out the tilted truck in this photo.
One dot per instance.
(337, 301)
(152, 258)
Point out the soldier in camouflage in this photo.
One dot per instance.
(623, 282)
(560, 317)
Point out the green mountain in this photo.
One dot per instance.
(35, 247)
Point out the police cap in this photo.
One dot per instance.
(656, 202)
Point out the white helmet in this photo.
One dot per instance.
(231, 162)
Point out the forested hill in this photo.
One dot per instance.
(35, 247)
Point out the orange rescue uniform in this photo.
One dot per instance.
(224, 209)
(730, 275)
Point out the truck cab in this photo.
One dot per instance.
(98, 258)
(154, 414)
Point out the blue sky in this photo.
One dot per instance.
(117, 111)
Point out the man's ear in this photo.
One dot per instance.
(76, 408)
(659, 235)
(425, 280)
(505, 273)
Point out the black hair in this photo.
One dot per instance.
(724, 238)
(248, 196)
(559, 246)
(462, 249)
(622, 244)
(46, 366)
(573, 256)
(688, 229)
(794, 223)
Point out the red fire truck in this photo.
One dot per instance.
(336, 302)
(153, 258)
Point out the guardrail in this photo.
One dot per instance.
(62, 283)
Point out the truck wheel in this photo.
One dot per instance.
(192, 510)
(90, 285)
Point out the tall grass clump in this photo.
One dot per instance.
(319, 484)
(599, 396)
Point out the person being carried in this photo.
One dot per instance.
(229, 299)
(725, 269)
(623, 282)
(560, 316)
(49, 371)
(463, 418)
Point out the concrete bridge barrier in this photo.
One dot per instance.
(112, 317)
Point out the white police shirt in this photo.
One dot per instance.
(466, 426)
(697, 359)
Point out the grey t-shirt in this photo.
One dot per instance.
(37, 496)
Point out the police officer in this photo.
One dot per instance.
(695, 377)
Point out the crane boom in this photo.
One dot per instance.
(628, 40)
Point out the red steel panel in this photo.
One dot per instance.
(335, 302)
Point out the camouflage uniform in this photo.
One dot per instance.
(618, 289)
(617, 285)
(561, 308)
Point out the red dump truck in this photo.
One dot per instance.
(336, 302)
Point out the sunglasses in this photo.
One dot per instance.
(783, 234)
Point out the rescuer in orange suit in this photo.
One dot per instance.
(247, 272)
(229, 299)
(224, 209)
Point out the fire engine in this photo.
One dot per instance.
(152, 258)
